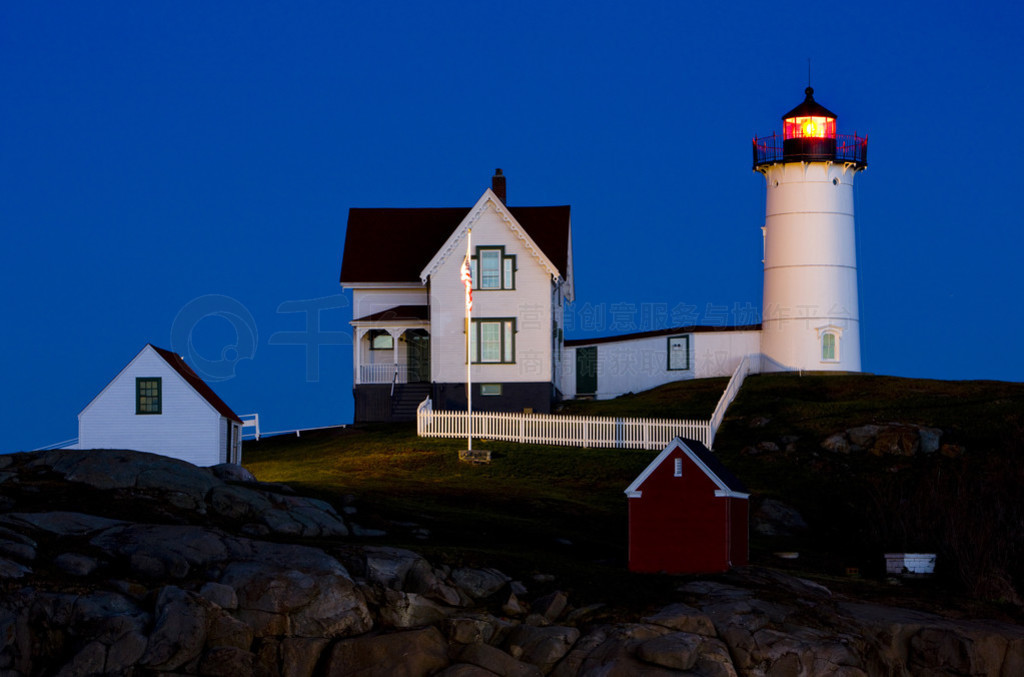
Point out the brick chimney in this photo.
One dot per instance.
(498, 184)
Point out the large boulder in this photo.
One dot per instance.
(162, 551)
(182, 484)
(295, 591)
(414, 653)
(542, 646)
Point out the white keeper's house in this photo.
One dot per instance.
(409, 329)
(157, 403)
(403, 267)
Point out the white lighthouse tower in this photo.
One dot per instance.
(810, 319)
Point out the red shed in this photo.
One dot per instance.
(687, 513)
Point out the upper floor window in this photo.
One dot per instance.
(148, 395)
(493, 269)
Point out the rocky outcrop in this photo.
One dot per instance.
(890, 439)
(117, 563)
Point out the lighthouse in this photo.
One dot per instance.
(810, 319)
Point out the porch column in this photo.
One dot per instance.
(394, 352)
(357, 354)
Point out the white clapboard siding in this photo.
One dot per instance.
(633, 364)
(529, 303)
(574, 431)
(189, 427)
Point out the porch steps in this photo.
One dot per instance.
(406, 398)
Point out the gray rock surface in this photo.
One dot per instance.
(214, 574)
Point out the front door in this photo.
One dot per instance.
(586, 370)
(418, 342)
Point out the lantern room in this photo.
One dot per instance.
(809, 131)
(809, 135)
(809, 120)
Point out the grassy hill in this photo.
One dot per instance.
(562, 511)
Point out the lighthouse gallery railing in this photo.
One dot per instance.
(849, 148)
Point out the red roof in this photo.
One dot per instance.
(394, 245)
(197, 383)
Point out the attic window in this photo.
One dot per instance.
(492, 269)
(148, 399)
(678, 471)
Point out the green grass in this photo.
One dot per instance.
(560, 510)
(684, 399)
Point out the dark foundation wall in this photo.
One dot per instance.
(378, 404)
(537, 396)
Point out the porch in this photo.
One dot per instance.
(392, 356)
(392, 347)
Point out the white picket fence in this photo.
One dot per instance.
(578, 431)
(573, 431)
(731, 391)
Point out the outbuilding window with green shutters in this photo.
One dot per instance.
(148, 395)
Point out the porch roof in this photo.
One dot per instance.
(397, 314)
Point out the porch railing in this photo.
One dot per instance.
(383, 373)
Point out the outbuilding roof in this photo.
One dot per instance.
(198, 384)
(394, 245)
(728, 484)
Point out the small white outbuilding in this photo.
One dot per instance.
(158, 404)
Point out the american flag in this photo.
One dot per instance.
(467, 279)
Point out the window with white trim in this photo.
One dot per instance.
(678, 353)
(492, 341)
(829, 347)
(490, 389)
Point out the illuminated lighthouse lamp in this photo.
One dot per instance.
(809, 135)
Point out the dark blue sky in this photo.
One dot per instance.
(156, 156)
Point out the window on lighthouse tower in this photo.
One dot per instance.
(828, 347)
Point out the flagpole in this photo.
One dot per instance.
(469, 357)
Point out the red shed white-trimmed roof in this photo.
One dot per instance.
(728, 484)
